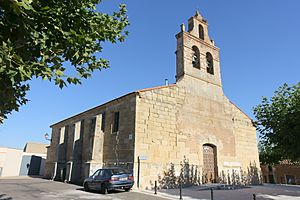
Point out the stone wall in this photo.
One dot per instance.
(156, 132)
(281, 173)
(85, 142)
(174, 122)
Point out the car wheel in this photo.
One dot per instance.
(127, 189)
(86, 187)
(104, 189)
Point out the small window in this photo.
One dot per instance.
(196, 57)
(201, 32)
(210, 63)
(103, 122)
(106, 173)
(98, 174)
(119, 171)
(82, 124)
(93, 126)
(61, 135)
(76, 128)
(116, 122)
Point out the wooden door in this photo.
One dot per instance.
(209, 164)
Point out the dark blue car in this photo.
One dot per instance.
(107, 179)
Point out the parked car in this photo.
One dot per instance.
(107, 179)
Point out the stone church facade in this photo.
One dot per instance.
(147, 130)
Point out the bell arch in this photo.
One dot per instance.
(210, 63)
(201, 32)
(196, 57)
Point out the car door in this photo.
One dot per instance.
(98, 180)
(92, 182)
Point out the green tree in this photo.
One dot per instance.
(268, 155)
(38, 37)
(278, 122)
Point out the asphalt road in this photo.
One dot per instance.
(37, 188)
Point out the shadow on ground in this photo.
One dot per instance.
(222, 187)
(97, 192)
(5, 197)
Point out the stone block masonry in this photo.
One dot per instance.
(188, 129)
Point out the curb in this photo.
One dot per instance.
(159, 194)
(162, 194)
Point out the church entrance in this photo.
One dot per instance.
(210, 169)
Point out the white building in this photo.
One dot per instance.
(17, 162)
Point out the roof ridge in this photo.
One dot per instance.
(156, 87)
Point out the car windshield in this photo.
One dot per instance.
(119, 171)
(96, 173)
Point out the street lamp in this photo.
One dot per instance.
(47, 137)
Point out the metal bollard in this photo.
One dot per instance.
(211, 194)
(180, 191)
(155, 187)
(254, 197)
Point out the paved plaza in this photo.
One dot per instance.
(37, 188)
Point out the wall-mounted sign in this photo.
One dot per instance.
(143, 157)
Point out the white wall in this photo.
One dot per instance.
(10, 161)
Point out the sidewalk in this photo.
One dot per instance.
(264, 192)
(163, 194)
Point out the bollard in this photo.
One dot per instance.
(155, 187)
(180, 191)
(211, 194)
(254, 197)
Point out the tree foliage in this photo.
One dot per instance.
(278, 122)
(267, 154)
(38, 37)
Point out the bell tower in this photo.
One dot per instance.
(196, 56)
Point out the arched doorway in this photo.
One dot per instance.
(210, 168)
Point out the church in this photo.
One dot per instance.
(149, 130)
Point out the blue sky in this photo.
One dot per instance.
(259, 51)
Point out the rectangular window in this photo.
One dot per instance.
(82, 128)
(91, 134)
(116, 122)
(93, 126)
(61, 135)
(103, 122)
(77, 131)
